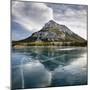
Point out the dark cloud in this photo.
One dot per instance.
(73, 16)
(19, 32)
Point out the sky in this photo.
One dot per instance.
(30, 17)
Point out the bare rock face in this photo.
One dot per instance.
(53, 31)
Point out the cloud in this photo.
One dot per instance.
(19, 32)
(31, 16)
(73, 16)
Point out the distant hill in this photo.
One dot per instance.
(53, 34)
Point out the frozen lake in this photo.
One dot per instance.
(37, 67)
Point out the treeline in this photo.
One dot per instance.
(49, 43)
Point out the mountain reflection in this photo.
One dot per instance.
(73, 74)
(48, 66)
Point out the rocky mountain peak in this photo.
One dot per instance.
(54, 32)
(50, 24)
(52, 21)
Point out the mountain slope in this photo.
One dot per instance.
(54, 32)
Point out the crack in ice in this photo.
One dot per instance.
(22, 74)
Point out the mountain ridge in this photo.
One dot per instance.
(54, 32)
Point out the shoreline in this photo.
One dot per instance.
(48, 46)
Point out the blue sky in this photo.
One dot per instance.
(29, 17)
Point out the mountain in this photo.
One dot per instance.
(56, 33)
